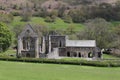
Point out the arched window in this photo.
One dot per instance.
(90, 55)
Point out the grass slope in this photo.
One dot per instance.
(58, 24)
(106, 56)
(30, 71)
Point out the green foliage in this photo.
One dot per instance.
(5, 37)
(58, 24)
(67, 19)
(99, 30)
(101, 63)
(15, 13)
(6, 18)
(77, 15)
(49, 19)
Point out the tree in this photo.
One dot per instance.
(6, 18)
(77, 15)
(26, 13)
(5, 37)
(99, 30)
(116, 43)
(61, 10)
(67, 19)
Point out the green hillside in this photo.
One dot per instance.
(58, 24)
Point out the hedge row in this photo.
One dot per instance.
(99, 63)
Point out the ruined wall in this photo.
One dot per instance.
(80, 52)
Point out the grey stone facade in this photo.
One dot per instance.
(28, 43)
(53, 46)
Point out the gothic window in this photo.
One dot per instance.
(28, 43)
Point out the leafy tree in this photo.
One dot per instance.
(49, 19)
(43, 12)
(116, 43)
(67, 19)
(77, 15)
(61, 10)
(26, 13)
(99, 30)
(5, 37)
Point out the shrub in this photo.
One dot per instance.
(61, 61)
(5, 37)
(15, 13)
(49, 19)
(67, 19)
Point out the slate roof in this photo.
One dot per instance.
(80, 43)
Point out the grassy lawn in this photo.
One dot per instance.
(58, 24)
(31, 71)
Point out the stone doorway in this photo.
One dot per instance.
(90, 55)
(79, 54)
(68, 54)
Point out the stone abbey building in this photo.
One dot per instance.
(53, 46)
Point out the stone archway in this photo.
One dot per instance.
(74, 54)
(79, 54)
(90, 55)
(68, 54)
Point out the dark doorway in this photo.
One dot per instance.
(75, 55)
(68, 54)
(27, 55)
(99, 55)
(60, 45)
(79, 55)
(89, 55)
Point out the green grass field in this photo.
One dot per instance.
(31, 71)
(58, 24)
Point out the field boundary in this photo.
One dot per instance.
(97, 63)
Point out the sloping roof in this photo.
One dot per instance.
(32, 32)
(80, 43)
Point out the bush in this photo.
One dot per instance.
(5, 37)
(15, 13)
(49, 19)
(6, 18)
(61, 61)
(67, 19)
